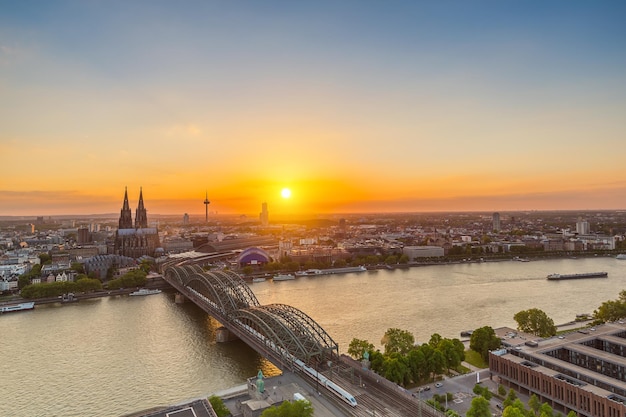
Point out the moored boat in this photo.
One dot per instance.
(258, 279)
(309, 272)
(344, 270)
(145, 291)
(17, 307)
(577, 276)
(282, 277)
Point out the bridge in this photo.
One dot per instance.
(284, 335)
(279, 332)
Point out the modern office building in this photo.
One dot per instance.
(264, 216)
(583, 371)
(496, 222)
(582, 227)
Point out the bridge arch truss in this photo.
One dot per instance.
(284, 330)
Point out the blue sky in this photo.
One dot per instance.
(355, 105)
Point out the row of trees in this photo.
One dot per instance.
(133, 278)
(54, 289)
(404, 362)
(513, 406)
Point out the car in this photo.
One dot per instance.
(438, 385)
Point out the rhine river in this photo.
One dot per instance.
(116, 355)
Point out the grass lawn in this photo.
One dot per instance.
(473, 358)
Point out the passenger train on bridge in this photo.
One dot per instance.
(321, 379)
(330, 385)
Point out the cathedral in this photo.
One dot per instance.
(138, 240)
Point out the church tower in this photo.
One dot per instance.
(126, 217)
(141, 217)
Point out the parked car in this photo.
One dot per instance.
(438, 385)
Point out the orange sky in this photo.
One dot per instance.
(412, 109)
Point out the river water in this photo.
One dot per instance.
(116, 355)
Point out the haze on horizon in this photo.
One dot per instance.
(356, 106)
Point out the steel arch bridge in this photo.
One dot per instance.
(280, 332)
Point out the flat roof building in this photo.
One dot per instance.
(583, 371)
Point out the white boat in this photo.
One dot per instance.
(17, 307)
(344, 270)
(283, 277)
(309, 272)
(145, 291)
(621, 256)
(261, 279)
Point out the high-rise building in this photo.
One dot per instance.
(264, 216)
(186, 219)
(138, 240)
(582, 227)
(496, 222)
(83, 236)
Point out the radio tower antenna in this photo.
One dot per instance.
(206, 207)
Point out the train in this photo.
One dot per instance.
(330, 385)
(344, 395)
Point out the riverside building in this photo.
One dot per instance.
(138, 240)
(582, 371)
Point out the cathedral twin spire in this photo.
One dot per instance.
(126, 218)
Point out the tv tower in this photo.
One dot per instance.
(206, 207)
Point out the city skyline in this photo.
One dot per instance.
(353, 106)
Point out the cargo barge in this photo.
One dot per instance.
(556, 277)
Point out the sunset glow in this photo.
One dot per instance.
(357, 106)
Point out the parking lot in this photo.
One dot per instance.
(461, 387)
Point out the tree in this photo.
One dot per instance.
(546, 410)
(483, 340)
(78, 267)
(358, 347)
(218, 406)
(536, 322)
(484, 391)
(396, 340)
(612, 310)
(511, 397)
(435, 339)
(534, 403)
(513, 412)
(479, 408)
(396, 369)
(417, 362)
(290, 409)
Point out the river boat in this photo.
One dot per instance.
(259, 279)
(621, 256)
(283, 277)
(309, 272)
(17, 307)
(344, 270)
(146, 291)
(557, 277)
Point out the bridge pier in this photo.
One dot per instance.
(222, 335)
(179, 298)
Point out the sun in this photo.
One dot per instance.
(285, 193)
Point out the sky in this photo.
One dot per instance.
(355, 106)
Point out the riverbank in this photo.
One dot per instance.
(156, 282)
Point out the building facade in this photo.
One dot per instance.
(583, 371)
(135, 240)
